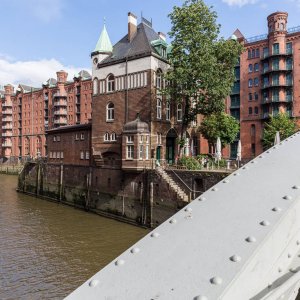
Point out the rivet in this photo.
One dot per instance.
(287, 197)
(214, 189)
(268, 152)
(261, 156)
(274, 147)
(188, 209)
(276, 208)
(289, 255)
(270, 285)
(251, 239)
(253, 162)
(296, 187)
(200, 297)
(93, 282)
(280, 143)
(235, 258)
(120, 262)
(155, 234)
(135, 250)
(216, 280)
(236, 174)
(201, 199)
(245, 168)
(225, 181)
(293, 270)
(279, 269)
(173, 221)
(264, 223)
(298, 242)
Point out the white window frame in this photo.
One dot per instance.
(110, 83)
(82, 136)
(113, 137)
(81, 154)
(130, 139)
(106, 137)
(168, 111)
(179, 112)
(87, 154)
(158, 108)
(130, 151)
(141, 151)
(110, 111)
(95, 86)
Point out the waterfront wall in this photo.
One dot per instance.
(136, 197)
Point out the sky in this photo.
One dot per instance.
(40, 37)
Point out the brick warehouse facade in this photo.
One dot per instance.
(126, 83)
(28, 112)
(267, 81)
(133, 125)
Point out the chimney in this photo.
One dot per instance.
(132, 26)
(162, 36)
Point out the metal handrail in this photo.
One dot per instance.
(193, 191)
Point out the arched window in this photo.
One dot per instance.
(250, 110)
(250, 68)
(113, 136)
(106, 137)
(168, 111)
(158, 109)
(250, 83)
(179, 112)
(110, 83)
(110, 111)
(95, 86)
(158, 82)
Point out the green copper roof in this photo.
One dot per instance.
(104, 44)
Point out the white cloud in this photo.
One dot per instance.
(239, 3)
(32, 73)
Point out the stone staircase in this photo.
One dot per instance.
(173, 185)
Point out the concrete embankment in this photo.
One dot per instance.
(10, 169)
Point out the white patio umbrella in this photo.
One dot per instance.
(277, 138)
(218, 151)
(239, 153)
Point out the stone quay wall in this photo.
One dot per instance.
(140, 198)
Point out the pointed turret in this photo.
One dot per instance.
(102, 50)
(104, 44)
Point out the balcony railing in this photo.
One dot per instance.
(61, 102)
(7, 134)
(7, 119)
(7, 127)
(60, 121)
(7, 145)
(277, 53)
(7, 112)
(62, 112)
(6, 104)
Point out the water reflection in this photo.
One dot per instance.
(47, 250)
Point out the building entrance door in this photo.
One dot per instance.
(158, 153)
(170, 146)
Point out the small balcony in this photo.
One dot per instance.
(61, 112)
(60, 102)
(7, 134)
(7, 145)
(7, 119)
(7, 112)
(60, 121)
(6, 105)
(266, 55)
(7, 127)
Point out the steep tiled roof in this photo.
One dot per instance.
(140, 44)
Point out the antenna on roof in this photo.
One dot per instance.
(104, 20)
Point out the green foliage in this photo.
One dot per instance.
(191, 163)
(219, 125)
(281, 123)
(202, 65)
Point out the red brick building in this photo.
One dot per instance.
(267, 81)
(28, 112)
(70, 144)
(133, 124)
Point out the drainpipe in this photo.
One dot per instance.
(126, 91)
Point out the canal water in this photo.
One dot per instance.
(47, 250)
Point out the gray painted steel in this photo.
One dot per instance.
(237, 241)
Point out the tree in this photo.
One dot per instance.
(201, 72)
(219, 125)
(281, 123)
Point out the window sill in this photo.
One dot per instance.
(110, 121)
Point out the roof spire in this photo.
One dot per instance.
(104, 44)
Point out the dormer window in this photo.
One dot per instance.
(110, 83)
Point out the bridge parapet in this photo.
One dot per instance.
(239, 240)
